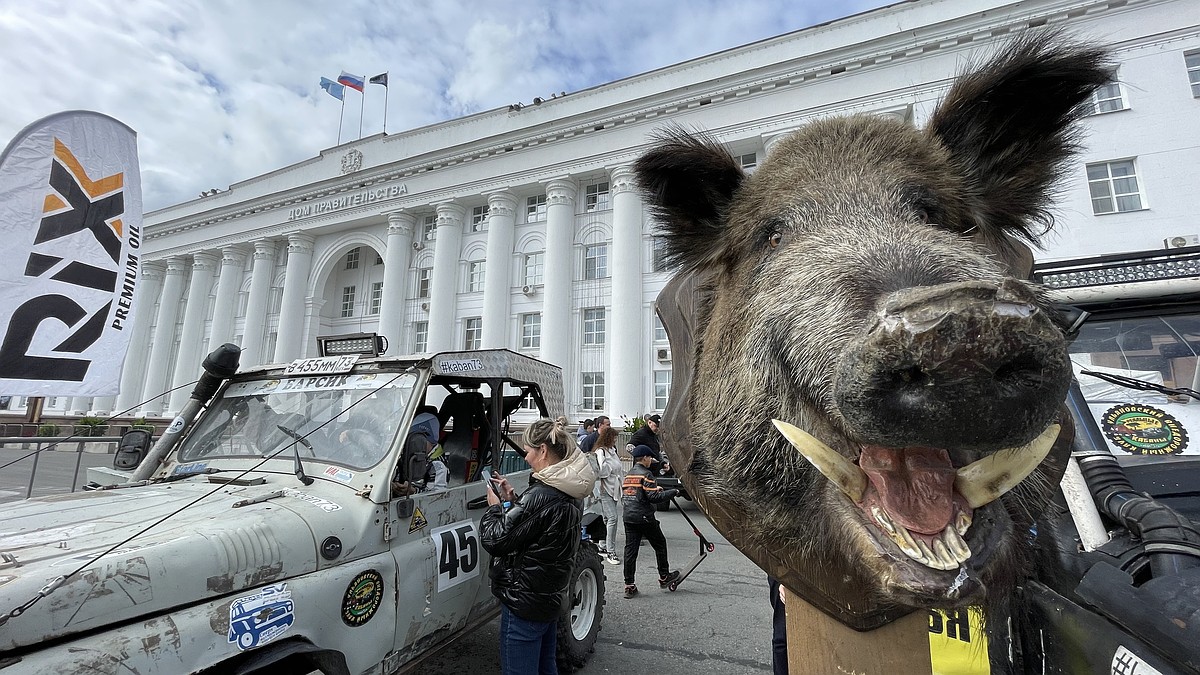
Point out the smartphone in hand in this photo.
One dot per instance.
(492, 483)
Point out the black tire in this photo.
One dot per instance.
(583, 611)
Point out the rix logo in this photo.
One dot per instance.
(74, 203)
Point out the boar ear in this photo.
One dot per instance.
(1011, 126)
(688, 180)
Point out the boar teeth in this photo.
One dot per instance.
(947, 552)
(962, 522)
(982, 482)
(844, 473)
(956, 545)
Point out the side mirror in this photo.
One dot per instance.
(135, 443)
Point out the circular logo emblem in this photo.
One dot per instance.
(362, 598)
(1144, 430)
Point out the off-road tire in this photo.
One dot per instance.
(585, 603)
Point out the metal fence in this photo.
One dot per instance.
(42, 465)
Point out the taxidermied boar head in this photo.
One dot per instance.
(860, 298)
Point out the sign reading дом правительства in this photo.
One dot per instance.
(71, 218)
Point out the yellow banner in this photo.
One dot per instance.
(957, 643)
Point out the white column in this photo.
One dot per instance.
(557, 332)
(158, 369)
(443, 291)
(624, 389)
(497, 282)
(395, 272)
(134, 372)
(233, 268)
(262, 271)
(312, 326)
(79, 405)
(289, 344)
(187, 362)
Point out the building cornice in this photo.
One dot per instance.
(956, 33)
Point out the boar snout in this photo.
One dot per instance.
(967, 365)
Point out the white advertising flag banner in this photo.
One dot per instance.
(71, 220)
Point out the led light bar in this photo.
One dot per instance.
(1130, 268)
(366, 344)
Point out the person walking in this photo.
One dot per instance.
(610, 475)
(533, 538)
(589, 441)
(639, 494)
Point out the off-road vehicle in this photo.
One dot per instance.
(278, 526)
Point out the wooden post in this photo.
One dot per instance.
(818, 644)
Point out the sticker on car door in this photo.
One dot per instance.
(457, 553)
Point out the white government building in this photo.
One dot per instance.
(521, 227)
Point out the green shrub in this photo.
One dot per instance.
(632, 425)
(141, 423)
(48, 430)
(91, 426)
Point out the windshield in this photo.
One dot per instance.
(257, 418)
(1155, 349)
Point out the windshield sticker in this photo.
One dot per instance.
(418, 521)
(322, 365)
(320, 502)
(460, 365)
(259, 618)
(194, 467)
(339, 474)
(176, 425)
(1144, 430)
(362, 599)
(457, 553)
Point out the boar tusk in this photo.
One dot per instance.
(982, 482)
(828, 461)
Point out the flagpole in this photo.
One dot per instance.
(362, 103)
(340, 116)
(385, 102)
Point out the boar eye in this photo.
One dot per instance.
(775, 240)
(922, 215)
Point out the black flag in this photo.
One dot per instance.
(379, 79)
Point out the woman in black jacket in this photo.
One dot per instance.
(533, 539)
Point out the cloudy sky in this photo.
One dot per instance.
(223, 90)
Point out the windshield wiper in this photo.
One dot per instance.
(299, 439)
(1134, 383)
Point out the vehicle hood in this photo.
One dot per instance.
(208, 549)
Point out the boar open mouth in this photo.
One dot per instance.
(915, 496)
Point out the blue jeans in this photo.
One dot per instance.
(526, 647)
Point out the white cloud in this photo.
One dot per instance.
(222, 91)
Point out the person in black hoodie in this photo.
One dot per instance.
(533, 538)
(639, 494)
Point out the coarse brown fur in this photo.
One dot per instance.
(796, 261)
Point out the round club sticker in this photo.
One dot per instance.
(1144, 430)
(362, 598)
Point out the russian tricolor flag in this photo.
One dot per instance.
(353, 81)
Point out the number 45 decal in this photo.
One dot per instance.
(457, 548)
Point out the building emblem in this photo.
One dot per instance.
(352, 161)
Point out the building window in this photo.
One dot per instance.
(662, 388)
(596, 197)
(376, 298)
(595, 261)
(243, 300)
(378, 259)
(479, 218)
(274, 299)
(1106, 99)
(593, 326)
(528, 403)
(352, 259)
(533, 268)
(1114, 187)
(535, 209)
(1193, 70)
(475, 271)
(660, 332)
(348, 301)
(748, 161)
(424, 277)
(531, 331)
(429, 227)
(658, 254)
(473, 335)
(593, 391)
(420, 337)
